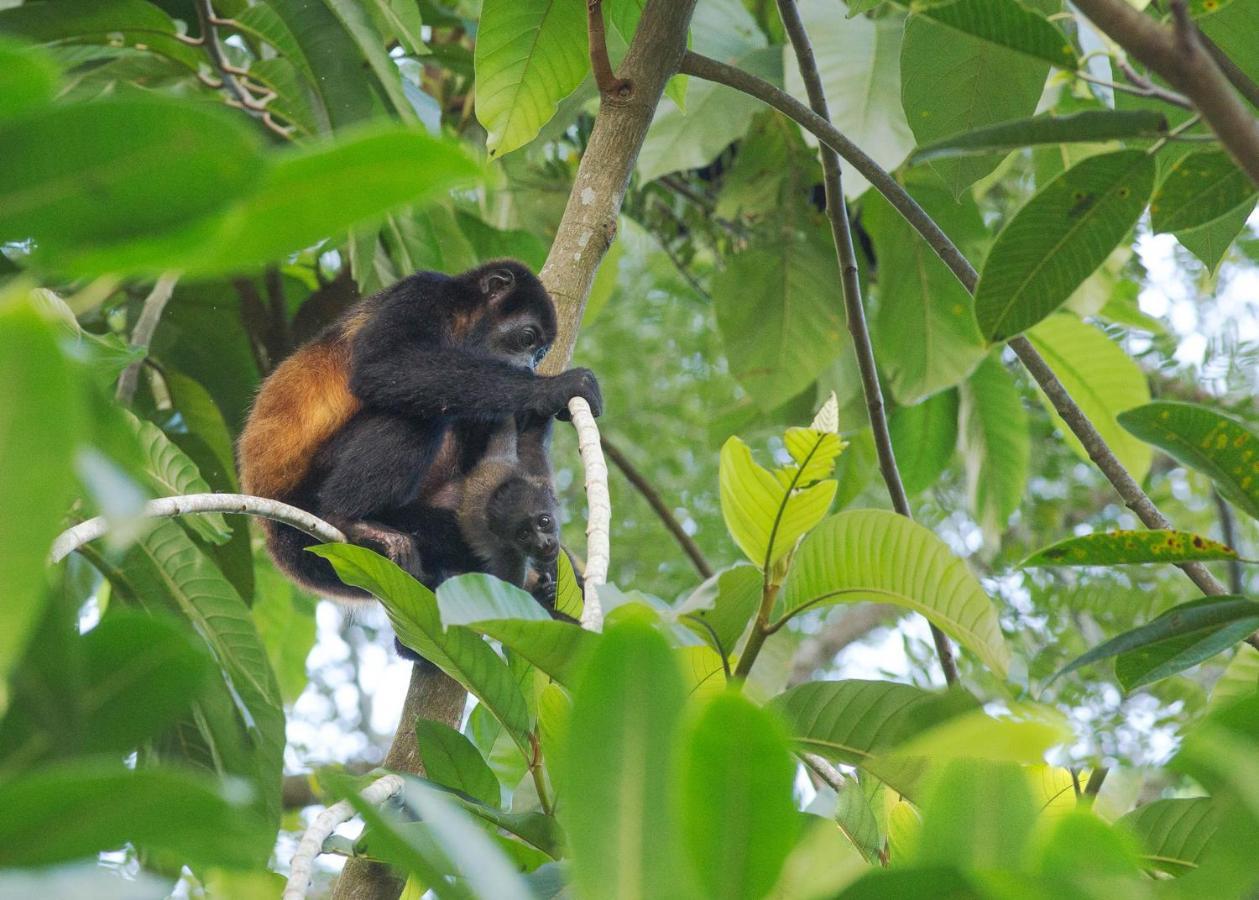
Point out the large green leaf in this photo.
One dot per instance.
(1089, 126)
(994, 443)
(1174, 833)
(1219, 446)
(1240, 678)
(165, 571)
(1058, 238)
(924, 438)
(358, 25)
(476, 597)
(40, 423)
(530, 55)
(978, 814)
(1197, 189)
(80, 808)
(1181, 637)
(739, 820)
(945, 81)
(171, 473)
(877, 555)
(451, 760)
(714, 117)
(619, 813)
(1210, 242)
(458, 652)
(28, 78)
(859, 62)
(130, 23)
(124, 168)
(924, 327)
(766, 517)
(1111, 548)
(1102, 380)
(1008, 23)
(720, 609)
(779, 312)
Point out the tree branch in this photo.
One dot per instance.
(1127, 488)
(142, 334)
(656, 502)
(598, 513)
(243, 504)
(841, 232)
(606, 80)
(1183, 62)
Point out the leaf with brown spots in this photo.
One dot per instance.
(1118, 548)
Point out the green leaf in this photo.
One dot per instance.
(41, 420)
(780, 315)
(859, 62)
(1215, 444)
(924, 328)
(1210, 242)
(715, 116)
(1181, 637)
(1174, 833)
(124, 168)
(1008, 23)
(164, 570)
(853, 722)
(719, 609)
(127, 23)
(202, 417)
(877, 555)
(557, 648)
(1102, 380)
(1240, 678)
(1058, 238)
(568, 598)
(534, 828)
(859, 814)
(476, 597)
(764, 516)
(285, 619)
(530, 55)
(978, 814)
(262, 21)
(171, 473)
(739, 820)
(358, 25)
(1086, 127)
(945, 81)
(924, 438)
(1113, 548)
(1199, 188)
(994, 443)
(80, 808)
(618, 809)
(413, 611)
(486, 869)
(28, 78)
(451, 760)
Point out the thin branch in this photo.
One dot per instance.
(142, 334)
(1127, 488)
(656, 502)
(850, 280)
(1140, 87)
(241, 96)
(1228, 531)
(598, 513)
(73, 538)
(322, 828)
(1182, 61)
(609, 85)
(299, 791)
(833, 778)
(1094, 785)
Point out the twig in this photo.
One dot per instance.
(142, 334)
(1094, 784)
(1178, 57)
(656, 502)
(824, 770)
(850, 280)
(298, 791)
(609, 85)
(232, 77)
(1127, 488)
(73, 538)
(598, 513)
(300, 869)
(1236, 578)
(1145, 88)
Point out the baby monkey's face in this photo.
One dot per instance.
(538, 536)
(524, 516)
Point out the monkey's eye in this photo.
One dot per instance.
(545, 521)
(525, 338)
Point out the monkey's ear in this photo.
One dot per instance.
(497, 283)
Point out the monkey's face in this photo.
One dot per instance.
(523, 516)
(538, 537)
(518, 320)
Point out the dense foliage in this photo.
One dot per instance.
(264, 163)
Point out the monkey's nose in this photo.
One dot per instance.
(550, 549)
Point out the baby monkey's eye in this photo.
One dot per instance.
(545, 521)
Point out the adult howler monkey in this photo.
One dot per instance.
(374, 424)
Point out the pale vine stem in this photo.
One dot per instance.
(1098, 451)
(599, 512)
(311, 845)
(142, 334)
(841, 232)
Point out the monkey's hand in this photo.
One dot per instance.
(555, 392)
